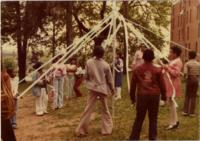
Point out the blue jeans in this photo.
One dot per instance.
(58, 86)
(13, 119)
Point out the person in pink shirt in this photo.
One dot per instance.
(59, 71)
(173, 84)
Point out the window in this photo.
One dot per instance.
(172, 35)
(178, 20)
(179, 35)
(187, 17)
(198, 10)
(196, 46)
(190, 15)
(199, 30)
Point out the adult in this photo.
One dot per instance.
(192, 72)
(7, 107)
(147, 79)
(99, 81)
(173, 84)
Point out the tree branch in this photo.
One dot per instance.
(103, 9)
(80, 24)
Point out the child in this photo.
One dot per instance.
(118, 75)
(192, 71)
(70, 81)
(14, 80)
(40, 91)
(78, 80)
(59, 73)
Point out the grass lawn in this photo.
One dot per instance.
(123, 120)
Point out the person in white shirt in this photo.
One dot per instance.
(59, 72)
(14, 80)
(137, 59)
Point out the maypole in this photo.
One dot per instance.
(114, 13)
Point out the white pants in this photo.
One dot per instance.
(41, 102)
(173, 112)
(118, 92)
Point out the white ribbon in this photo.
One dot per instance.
(127, 55)
(65, 55)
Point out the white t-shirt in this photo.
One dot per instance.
(14, 85)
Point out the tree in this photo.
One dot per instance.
(26, 18)
(69, 8)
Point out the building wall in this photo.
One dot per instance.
(185, 25)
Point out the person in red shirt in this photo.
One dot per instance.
(147, 79)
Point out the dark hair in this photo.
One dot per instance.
(120, 54)
(11, 73)
(57, 58)
(176, 50)
(37, 65)
(192, 54)
(148, 55)
(98, 51)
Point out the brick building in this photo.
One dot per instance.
(185, 25)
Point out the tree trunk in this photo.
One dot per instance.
(69, 8)
(22, 48)
(126, 16)
(53, 39)
(19, 43)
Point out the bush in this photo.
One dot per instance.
(9, 63)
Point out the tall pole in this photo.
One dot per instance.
(114, 10)
(125, 45)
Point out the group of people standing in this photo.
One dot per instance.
(149, 81)
(63, 76)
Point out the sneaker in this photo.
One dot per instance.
(40, 114)
(192, 115)
(14, 126)
(170, 127)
